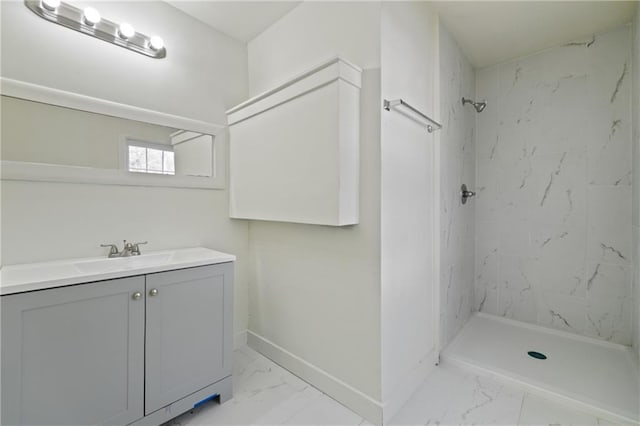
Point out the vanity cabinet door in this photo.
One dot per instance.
(189, 332)
(74, 355)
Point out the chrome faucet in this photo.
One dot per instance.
(129, 249)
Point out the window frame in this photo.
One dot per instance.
(130, 141)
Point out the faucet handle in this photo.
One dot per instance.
(113, 250)
(135, 249)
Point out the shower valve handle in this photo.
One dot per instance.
(465, 193)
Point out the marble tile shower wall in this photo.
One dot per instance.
(635, 110)
(457, 164)
(553, 212)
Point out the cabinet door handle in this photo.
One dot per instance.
(136, 296)
(153, 292)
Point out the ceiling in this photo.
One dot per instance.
(242, 20)
(491, 32)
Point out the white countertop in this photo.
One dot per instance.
(39, 276)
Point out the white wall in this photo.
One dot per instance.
(378, 279)
(554, 242)
(636, 179)
(204, 74)
(457, 166)
(315, 290)
(310, 34)
(409, 201)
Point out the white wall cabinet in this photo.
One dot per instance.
(78, 355)
(294, 150)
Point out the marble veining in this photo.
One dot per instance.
(593, 277)
(613, 250)
(553, 173)
(619, 83)
(551, 177)
(614, 126)
(582, 43)
(559, 317)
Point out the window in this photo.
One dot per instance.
(146, 157)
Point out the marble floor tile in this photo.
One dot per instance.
(322, 410)
(484, 401)
(538, 411)
(429, 404)
(453, 397)
(267, 394)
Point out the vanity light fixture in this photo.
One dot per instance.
(156, 43)
(89, 21)
(91, 16)
(126, 31)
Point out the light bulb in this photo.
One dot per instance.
(91, 16)
(50, 4)
(126, 31)
(156, 43)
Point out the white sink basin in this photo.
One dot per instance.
(122, 263)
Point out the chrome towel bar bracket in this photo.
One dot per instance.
(429, 123)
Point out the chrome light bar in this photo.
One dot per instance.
(89, 21)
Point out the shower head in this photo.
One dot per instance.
(479, 106)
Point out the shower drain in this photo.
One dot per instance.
(536, 355)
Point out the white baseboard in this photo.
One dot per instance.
(355, 400)
(240, 339)
(408, 386)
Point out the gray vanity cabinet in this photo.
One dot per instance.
(138, 350)
(188, 316)
(74, 355)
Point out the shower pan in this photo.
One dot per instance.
(589, 375)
